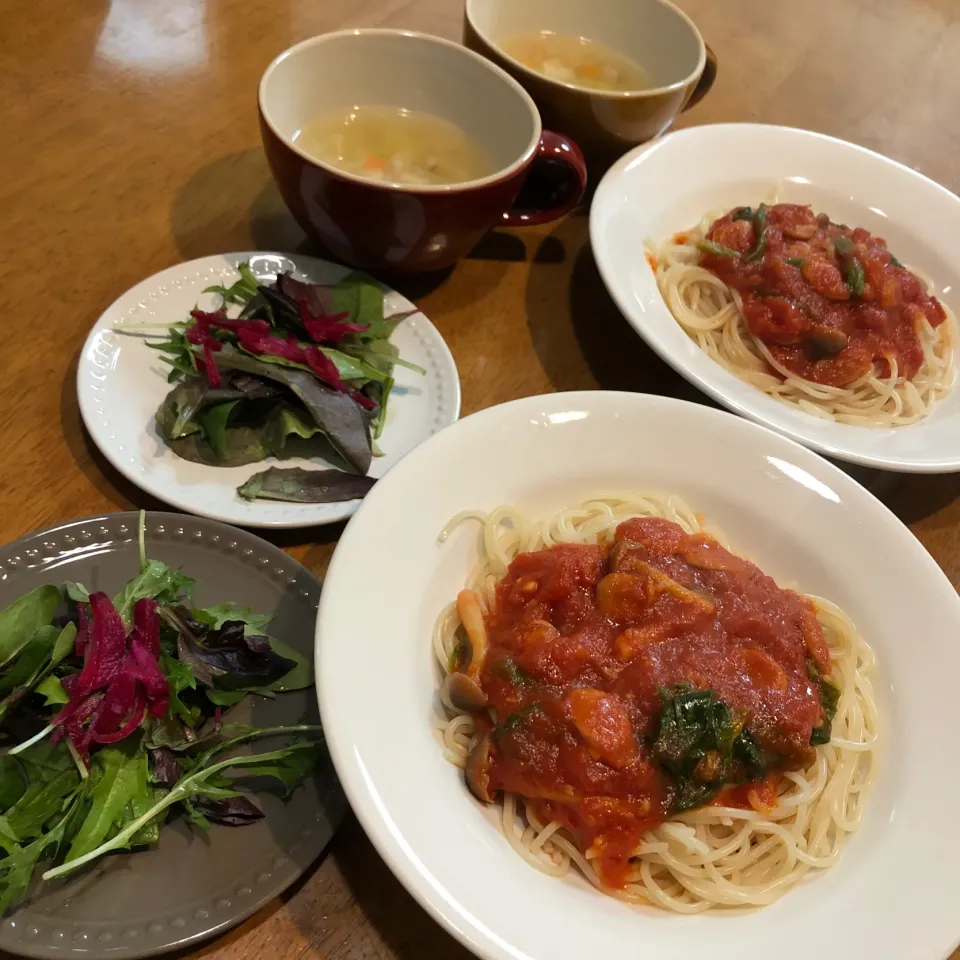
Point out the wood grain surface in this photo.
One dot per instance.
(130, 144)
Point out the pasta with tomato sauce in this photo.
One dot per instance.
(653, 709)
(817, 314)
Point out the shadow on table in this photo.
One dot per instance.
(911, 497)
(407, 930)
(583, 342)
(573, 320)
(213, 212)
(108, 482)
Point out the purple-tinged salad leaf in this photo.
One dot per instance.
(340, 419)
(126, 732)
(335, 337)
(226, 656)
(297, 485)
(229, 812)
(166, 766)
(227, 440)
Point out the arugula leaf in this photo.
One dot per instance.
(42, 801)
(16, 869)
(115, 773)
(350, 368)
(290, 769)
(241, 291)
(51, 689)
(181, 678)
(381, 354)
(281, 763)
(178, 353)
(20, 621)
(156, 580)
(217, 616)
(381, 398)
(12, 782)
(9, 841)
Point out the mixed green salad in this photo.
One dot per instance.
(111, 720)
(279, 365)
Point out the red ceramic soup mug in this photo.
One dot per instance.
(538, 175)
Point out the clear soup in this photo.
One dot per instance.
(393, 145)
(578, 61)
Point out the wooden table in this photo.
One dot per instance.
(130, 143)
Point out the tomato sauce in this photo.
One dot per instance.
(583, 642)
(830, 302)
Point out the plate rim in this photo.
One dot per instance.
(357, 782)
(708, 385)
(445, 360)
(19, 944)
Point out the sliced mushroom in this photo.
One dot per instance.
(800, 231)
(471, 615)
(464, 693)
(622, 553)
(827, 341)
(477, 770)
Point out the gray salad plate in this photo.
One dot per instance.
(192, 884)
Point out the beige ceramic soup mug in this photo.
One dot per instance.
(654, 33)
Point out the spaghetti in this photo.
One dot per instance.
(849, 336)
(750, 843)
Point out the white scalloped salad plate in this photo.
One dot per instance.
(665, 187)
(121, 382)
(893, 893)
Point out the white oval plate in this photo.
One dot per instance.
(667, 186)
(121, 382)
(894, 891)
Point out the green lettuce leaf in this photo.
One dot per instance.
(20, 621)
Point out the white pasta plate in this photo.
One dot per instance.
(666, 187)
(893, 890)
(121, 382)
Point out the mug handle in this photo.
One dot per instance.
(556, 181)
(706, 81)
